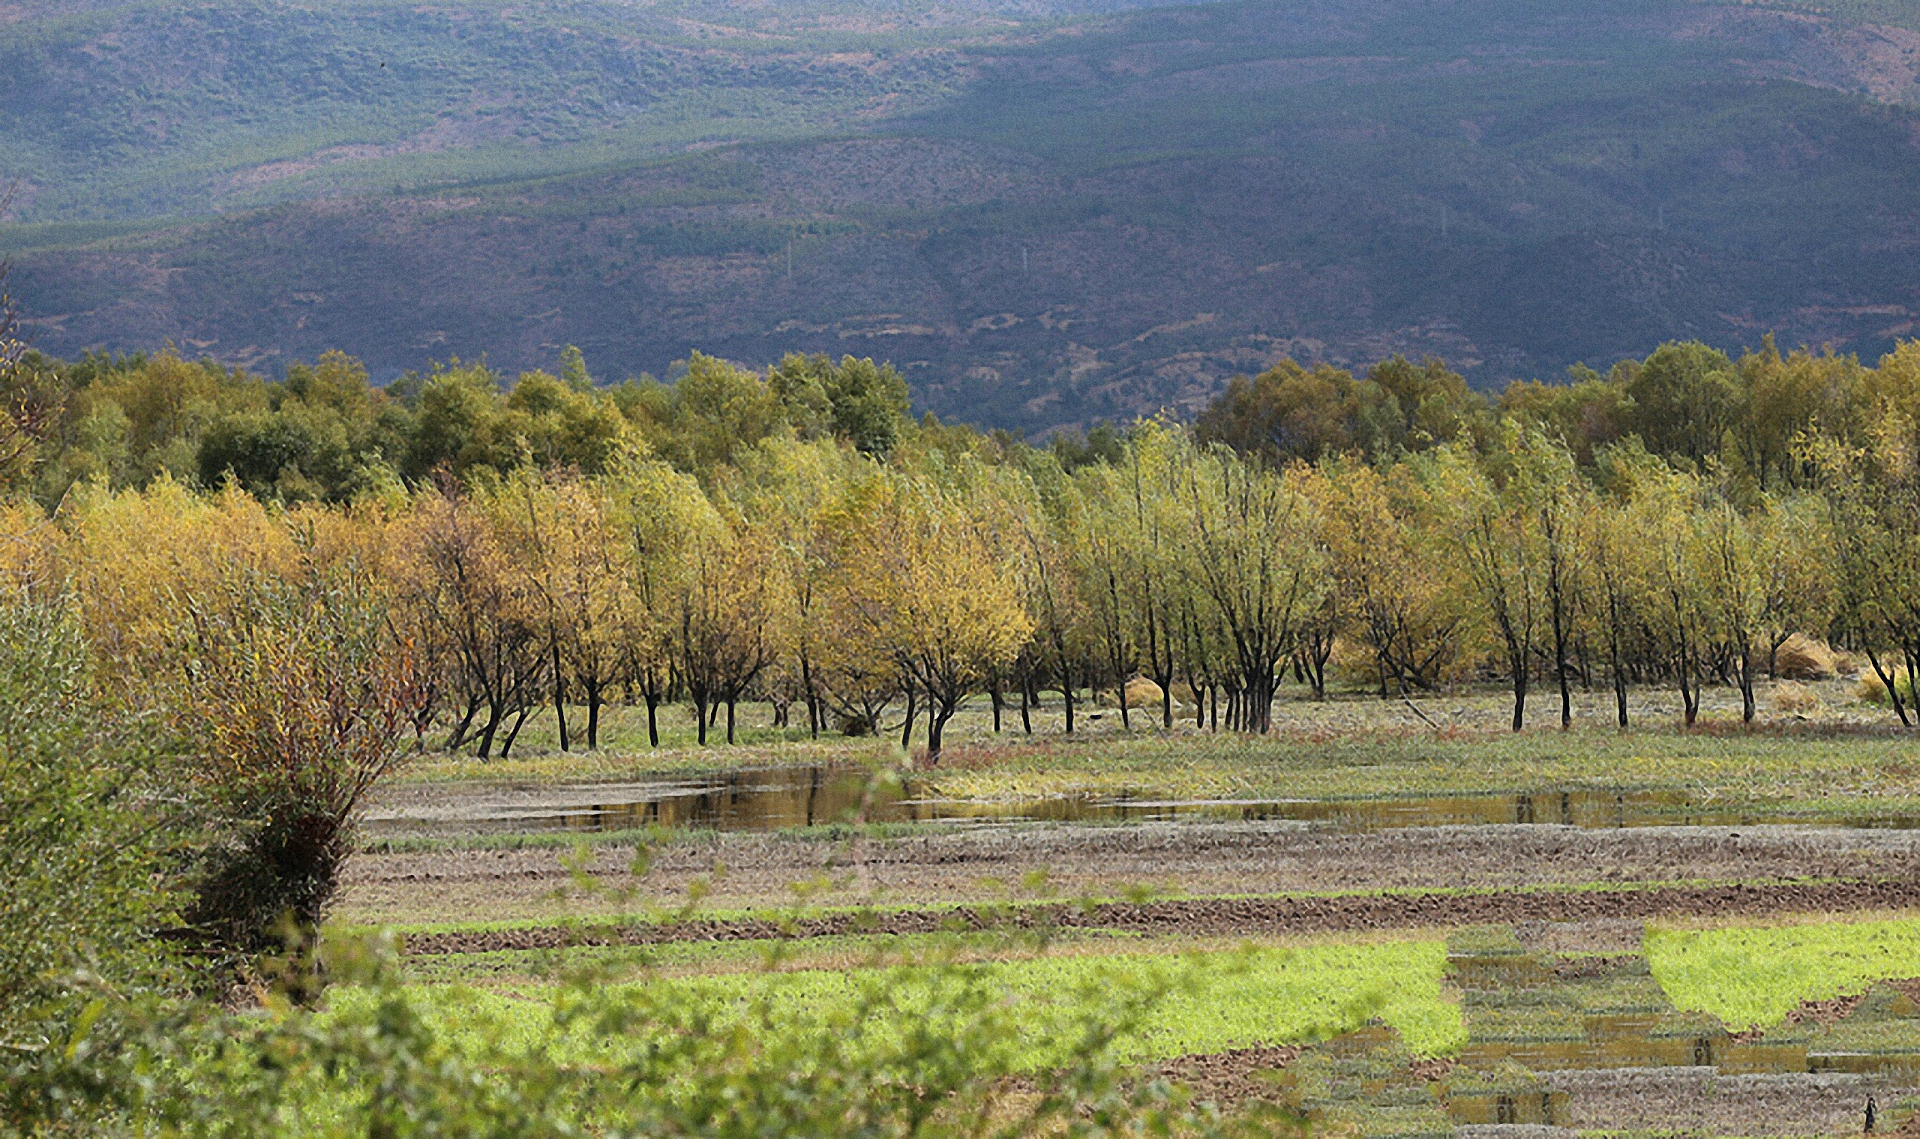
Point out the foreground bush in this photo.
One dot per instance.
(78, 856)
(927, 1050)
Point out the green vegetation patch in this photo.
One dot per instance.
(1750, 976)
(1202, 1002)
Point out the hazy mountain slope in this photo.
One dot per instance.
(1044, 222)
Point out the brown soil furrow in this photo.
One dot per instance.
(1232, 916)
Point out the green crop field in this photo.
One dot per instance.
(1752, 976)
(1199, 1002)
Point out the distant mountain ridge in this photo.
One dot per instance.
(1044, 214)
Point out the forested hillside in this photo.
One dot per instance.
(1044, 214)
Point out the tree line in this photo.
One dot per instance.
(794, 537)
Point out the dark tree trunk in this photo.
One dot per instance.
(813, 701)
(487, 729)
(593, 715)
(993, 693)
(936, 724)
(466, 722)
(653, 718)
(560, 698)
(1560, 669)
(1889, 677)
(906, 731)
(730, 702)
(1519, 695)
(513, 733)
(1619, 687)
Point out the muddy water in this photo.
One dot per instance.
(779, 798)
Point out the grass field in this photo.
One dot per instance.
(1752, 976)
(1201, 1001)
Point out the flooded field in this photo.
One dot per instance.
(1567, 1028)
(785, 797)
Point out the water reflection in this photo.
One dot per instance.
(779, 798)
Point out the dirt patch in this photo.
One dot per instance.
(1836, 1010)
(1229, 916)
(1232, 1077)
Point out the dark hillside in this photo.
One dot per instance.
(1041, 222)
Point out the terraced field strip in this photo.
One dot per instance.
(1229, 916)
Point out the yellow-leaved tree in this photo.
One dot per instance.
(923, 578)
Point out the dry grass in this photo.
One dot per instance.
(1794, 698)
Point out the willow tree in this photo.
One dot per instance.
(789, 491)
(1043, 566)
(554, 530)
(924, 577)
(459, 580)
(1614, 560)
(1798, 585)
(1390, 580)
(1734, 584)
(1661, 515)
(1099, 521)
(1873, 497)
(1153, 523)
(296, 698)
(1543, 478)
(1251, 547)
(658, 517)
(725, 634)
(1497, 558)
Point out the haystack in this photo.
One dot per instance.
(1803, 658)
(1143, 693)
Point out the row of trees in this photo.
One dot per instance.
(794, 537)
(1688, 403)
(324, 433)
(870, 594)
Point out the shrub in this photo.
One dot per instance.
(926, 1049)
(78, 850)
(297, 701)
